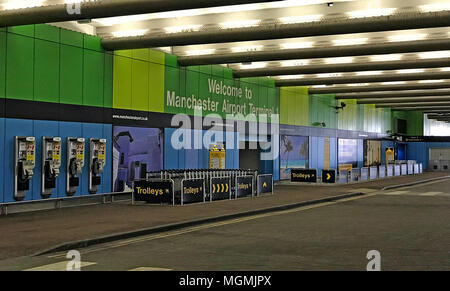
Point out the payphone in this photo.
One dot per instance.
(24, 161)
(97, 160)
(75, 163)
(51, 162)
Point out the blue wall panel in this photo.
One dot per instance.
(333, 153)
(43, 128)
(170, 154)
(2, 155)
(320, 153)
(14, 127)
(68, 129)
(360, 153)
(89, 130)
(107, 173)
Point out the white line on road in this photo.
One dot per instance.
(431, 193)
(60, 266)
(202, 227)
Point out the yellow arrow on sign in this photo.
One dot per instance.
(167, 190)
(328, 176)
(222, 188)
(214, 188)
(264, 184)
(226, 186)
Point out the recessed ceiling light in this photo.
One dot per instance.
(257, 65)
(329, 75)
(200, 52)
(385, 58)
(369, 73)
(182, 28)
(296, 45)
(434, 55)
(239, 23)
(435, 7)
(341, 60)
(406, 37)
(128, 33)
(371, 12)
(430, 81)
(350, 41)
(248, 48)
(291, 63)
(290, 77)
(410, 71)
(393, 83)
(301, 18)
(357, 84)
(19, 4)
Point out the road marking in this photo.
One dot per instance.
(126, 242)
(397, 192)
(150, 269)
(430, 193)
(60, 266)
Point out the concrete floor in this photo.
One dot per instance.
(409, 226)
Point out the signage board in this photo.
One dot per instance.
(220, 188)
(304, 175)
(244, 186)
(328, 176)
(265, 184)
(192, 191)
(153, 192)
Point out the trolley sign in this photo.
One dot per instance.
(192, 191)
(244, 186)
(153, 191)
(220, 188)
(304, 175)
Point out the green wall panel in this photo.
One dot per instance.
(92, 43)
(2, 64)
(47, 32)
(171, 84)
(157, 57)
(108, 81)
(93, 77)
(19, 67)
(139, 85)
(156, 80)
(140, 54)
(46, 71)
(72, 38)
(25, 30)
(122, 82)
(71, 75)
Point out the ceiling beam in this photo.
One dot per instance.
(378, 88)
(106, 8)
(408, 94)
(414, 106)
(363, 79)
(399, 21)
(347, 67)
(403, 100)
(435, 111)
(318, 52)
